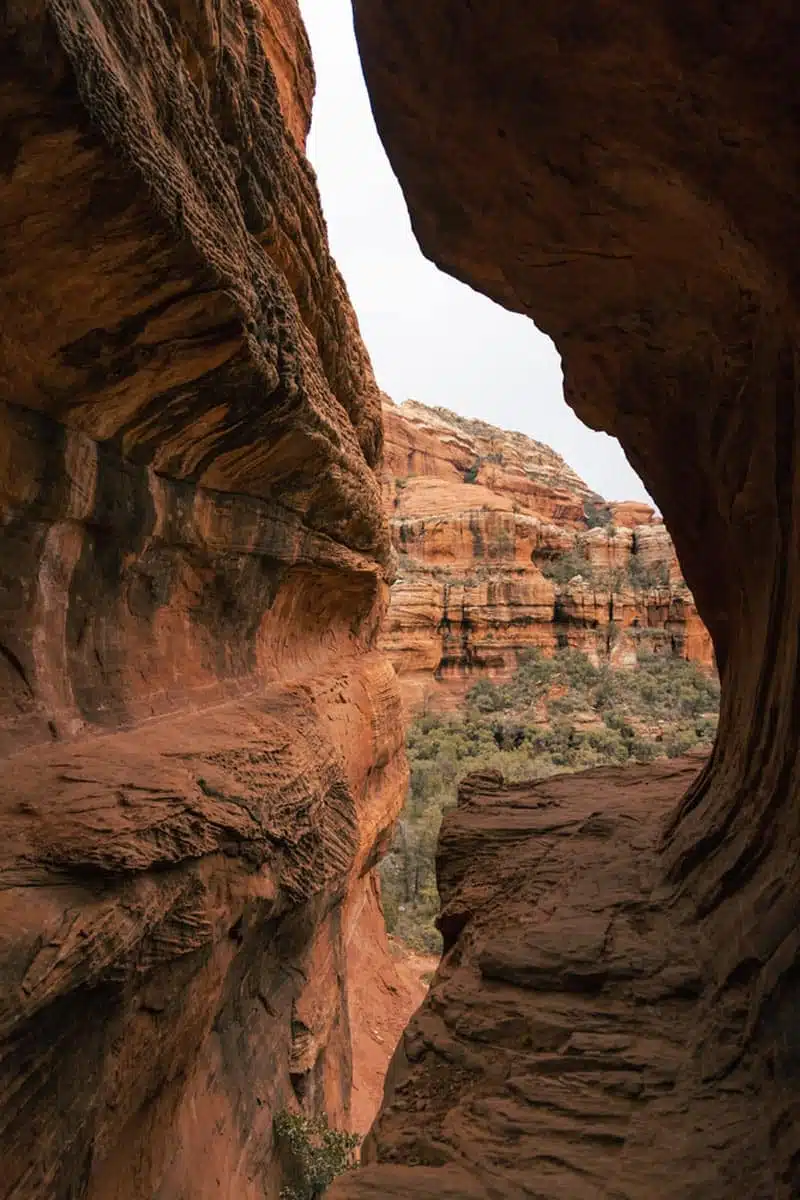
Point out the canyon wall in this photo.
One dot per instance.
(481, 518)
(625, 175)
(201, 744)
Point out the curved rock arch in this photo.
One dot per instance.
(625, 174)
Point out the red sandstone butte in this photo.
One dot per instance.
(476, 513)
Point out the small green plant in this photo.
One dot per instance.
(644, 577)
(313, 1154)
(471, 473)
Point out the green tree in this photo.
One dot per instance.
(555, 714)
(312, 1154)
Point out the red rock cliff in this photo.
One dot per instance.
(479, 516)
(201, 745)
(625, 174)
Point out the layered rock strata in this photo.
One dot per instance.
(202, 747)
(563, 1053)
(623, 174)
(479, 518)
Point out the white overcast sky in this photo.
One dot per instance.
(431, 339)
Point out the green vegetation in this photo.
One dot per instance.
(471, 473)
(567, 566)
(637, 575)
(313, 1154)
(644, 577)
(555, 715)
(596, 515)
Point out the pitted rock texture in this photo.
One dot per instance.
(562, 1053)
(625, 175)
(434, 443)
(202, 748)
(477, 514)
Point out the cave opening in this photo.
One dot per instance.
(207, 672)
(446, 734)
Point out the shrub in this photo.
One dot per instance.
(706, 730)
(596, 515)
(313, 1154)
(617, 579)
(679, 742)
(609, 744)
(643, 750)
(471, 473)
(566, 567)
(644, 577)
(486, 697)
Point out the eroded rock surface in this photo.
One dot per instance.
(563, 1052)
(202, 749)
(386, 982)
(624, 174)
(478, 516)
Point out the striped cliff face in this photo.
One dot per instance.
(503, 548)
(201, 746)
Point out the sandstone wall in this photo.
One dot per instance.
(202, 748)
(476, 515)
(624, 173)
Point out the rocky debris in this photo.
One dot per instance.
(474, 586)
(622, 174)
(202, 751)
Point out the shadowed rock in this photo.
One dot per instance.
(625, 175)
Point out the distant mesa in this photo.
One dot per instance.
(502, 547)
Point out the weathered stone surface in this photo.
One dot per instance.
(386, 982)
(437, 443)
(563, 1050)
(470, 594)
(202, 749)
(395, 1183)
(625, 175)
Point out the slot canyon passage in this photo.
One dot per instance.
(202, 741)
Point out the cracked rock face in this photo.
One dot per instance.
(202, 748)
(625, 175)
